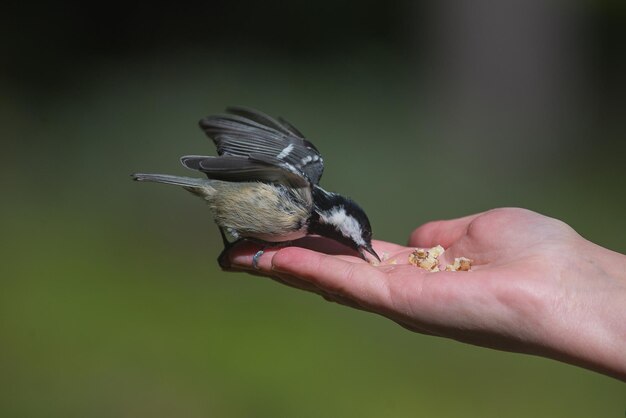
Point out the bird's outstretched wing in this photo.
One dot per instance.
(249, 133)
(251, 168)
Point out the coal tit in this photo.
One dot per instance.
(264, 185)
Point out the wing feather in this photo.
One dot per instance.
(242, 169)
(246, 132)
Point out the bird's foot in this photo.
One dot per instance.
(257, 257)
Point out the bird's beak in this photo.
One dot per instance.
(369, 249)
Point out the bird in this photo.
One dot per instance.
(263, 186)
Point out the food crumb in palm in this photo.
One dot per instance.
(426, 259)
(460, 264)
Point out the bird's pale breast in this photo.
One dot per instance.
(265, 211)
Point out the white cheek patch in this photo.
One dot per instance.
(346, 224)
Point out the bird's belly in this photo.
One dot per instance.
(262, 211)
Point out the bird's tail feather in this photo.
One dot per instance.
(168, 179)
(201, 187)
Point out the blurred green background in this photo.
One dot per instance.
(111, 302)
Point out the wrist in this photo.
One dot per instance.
(591, 326)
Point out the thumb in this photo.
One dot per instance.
(444, 233)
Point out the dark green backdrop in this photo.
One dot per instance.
(111, 303)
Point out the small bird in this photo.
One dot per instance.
(264, 186)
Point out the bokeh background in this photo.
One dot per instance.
(111, 303)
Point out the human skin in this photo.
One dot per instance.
(536, 286)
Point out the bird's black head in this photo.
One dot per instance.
(341, 219)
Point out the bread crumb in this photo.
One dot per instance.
(426, 259)
(460, 264)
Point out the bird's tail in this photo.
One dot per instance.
(200, 187)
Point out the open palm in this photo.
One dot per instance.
(516, 297)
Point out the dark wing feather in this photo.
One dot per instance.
(245, 132)
(241, 169)
(259, 117)
(295, 131)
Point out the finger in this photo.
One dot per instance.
(359, 282)
(295, 283)
(309, 287)
(240, 255)
(331, 247)
(324, 245)
(240, 258)
(444, 233)
(388, 248)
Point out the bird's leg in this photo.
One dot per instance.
(222, 259)
(224, 239)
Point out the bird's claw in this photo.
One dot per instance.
(256, 258)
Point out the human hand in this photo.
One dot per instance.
(536, 286)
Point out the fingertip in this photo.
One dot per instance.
(242, 254)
